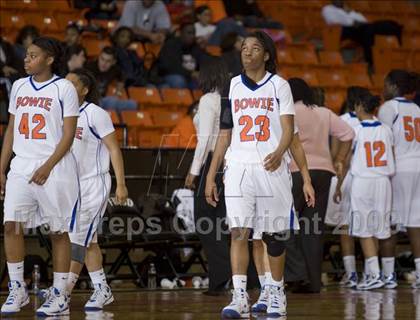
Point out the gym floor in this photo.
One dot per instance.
(188, 304)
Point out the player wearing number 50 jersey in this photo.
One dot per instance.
(257, 127)
(42, 186)
(371, 167)
(403, 116)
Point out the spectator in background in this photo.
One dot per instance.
(106, 72)
(149, 20)
(179, 59)
(203, 26)
(73, 35)
(305, 251)
(11, 67)
(231, 53)
(356, 27)
(128, 60)
(249, 14)
(24, 39)
(215, 242)
(75, 57)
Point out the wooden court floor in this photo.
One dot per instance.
(332, 303)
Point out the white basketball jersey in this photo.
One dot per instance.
(256, 109)
(351, 119)
(39, 109)
(372, 153)
(403, 117)
(92, 155)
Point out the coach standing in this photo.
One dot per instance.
(315, 124)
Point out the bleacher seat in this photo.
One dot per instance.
(94, 46)
(306, 57)
(176, 97)
(390, 42)
(331, 58)
(332, 79)
(197, 93)
(145, 96)
(334, 100)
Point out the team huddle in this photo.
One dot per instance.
(380, 192)
(63, 142)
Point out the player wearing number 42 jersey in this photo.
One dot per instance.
(42, 186)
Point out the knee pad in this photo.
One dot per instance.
(78, 253)
(276, 243)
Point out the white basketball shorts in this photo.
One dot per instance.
(94, 199)
(406, 199)
(339, 214)
(371, 207)
(258, 199)
(52, 204)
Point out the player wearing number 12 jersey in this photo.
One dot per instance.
(371, 195)
(42, 186)
(257, 127)
(403, 116)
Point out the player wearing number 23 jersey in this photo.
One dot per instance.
(256, 198)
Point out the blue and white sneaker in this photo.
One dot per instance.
(18, 298)
(100, 298)
(56, 305)
(371, 282)
(239, 307)
(390, 281)
(416, 283)
(262, 303)
(349, 280)
(277, 303)
(45, 294)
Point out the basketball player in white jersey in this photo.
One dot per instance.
(95, 144)
(41, 187)
(339, 209)
(403, 116)
(372, 166)
(257, 126)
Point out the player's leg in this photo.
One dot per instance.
(414, 236)
(19, 206)
(349, 260)
(262, 265)
(240, 212)
(373, 274)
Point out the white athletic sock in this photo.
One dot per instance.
(71, 281)
(268, 278)
(15, 271)
(98, 277)
(275, 283)
(372, 265)
(417, 263)
(60, 280)
(349, 264)
(388, 266)
(239, 281)
(262, 280)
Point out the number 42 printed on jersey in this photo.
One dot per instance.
(31, 128)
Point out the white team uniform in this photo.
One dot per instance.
(256, 198)
(403, 117)
(39, 110)
(93, 163)
(372, 166)
(339, 214)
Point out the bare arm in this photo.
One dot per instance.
(117, 161)
(273, 160)
(222, 144)
(342, 158)
(299, 155)
(69, 129)
(6, 153)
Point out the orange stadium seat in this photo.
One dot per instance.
(331, 37)
(285, 57)
(149, 137)
(138, 47)
(197, 93)
(176, 97)
(165, 118)
(112, 91)
(114, 116)
(331, 58)
(216, 6)
(145, 96)
(45, 22)
(94, 46)
(153, 48)
(214, 50)
(307, 57)
(378, 80)
(58, 5)
(66, 18)
(411, 41)
(386, 42)
(332, 79)
(309, 76)
(357, 67)
(19, 4)
(137, 118)
(11, 20)
(359, 79)
(334, 100)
